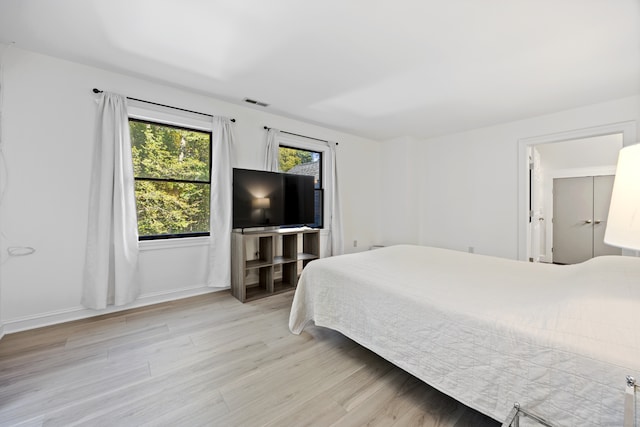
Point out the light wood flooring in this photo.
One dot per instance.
(209, 360)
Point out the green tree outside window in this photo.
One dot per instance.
(171, 166)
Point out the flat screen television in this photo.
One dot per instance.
(272, 199)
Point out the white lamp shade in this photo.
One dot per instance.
(623, 223)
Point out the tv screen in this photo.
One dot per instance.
(265, 199)
(299, 203)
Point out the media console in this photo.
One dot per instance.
(256, 255)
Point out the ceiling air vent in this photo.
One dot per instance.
(252, 101)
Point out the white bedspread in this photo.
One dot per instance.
(489, 331)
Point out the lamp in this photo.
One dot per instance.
(623, 223)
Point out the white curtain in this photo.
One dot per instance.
(272, 156)
(111, 263)
(221, 200)
(336, 235)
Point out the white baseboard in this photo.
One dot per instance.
(80, 312)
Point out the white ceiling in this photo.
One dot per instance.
(379, 69)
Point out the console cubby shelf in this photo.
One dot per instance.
(256, 255)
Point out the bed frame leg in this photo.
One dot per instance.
(512, 418)
(630, 402)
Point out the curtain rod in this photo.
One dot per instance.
(303, 136)
(164, 105)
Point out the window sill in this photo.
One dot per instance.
(184, 242)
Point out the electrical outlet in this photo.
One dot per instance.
(471, 249)
(355, 243)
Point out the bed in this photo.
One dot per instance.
(489, 331)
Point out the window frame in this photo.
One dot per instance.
(190, 128)
(301, 143)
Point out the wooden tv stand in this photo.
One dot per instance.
(291, 249)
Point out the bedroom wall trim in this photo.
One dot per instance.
(80, 312)
(626, 128)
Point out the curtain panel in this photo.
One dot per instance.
(336, 235)
(110, 274)
(272, 155)
(221, 204)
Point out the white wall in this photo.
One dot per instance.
(401, 197)
(469, 181)
(48, 133)
(583, 153)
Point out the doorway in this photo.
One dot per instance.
(593, 156)
(535, 200)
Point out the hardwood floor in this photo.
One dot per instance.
(209, 360)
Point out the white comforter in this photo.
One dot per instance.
(489, 331)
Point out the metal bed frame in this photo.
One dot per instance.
(513, 419)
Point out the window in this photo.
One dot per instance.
(171, 167)
(305, 162)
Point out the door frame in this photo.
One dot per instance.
(628, 131)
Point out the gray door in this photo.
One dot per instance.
(580, 209)
(572, 220)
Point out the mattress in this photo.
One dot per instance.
(489, 331)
